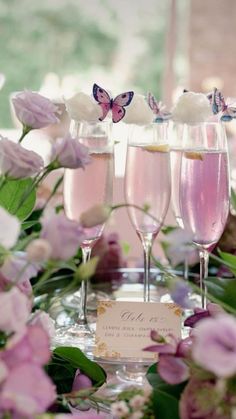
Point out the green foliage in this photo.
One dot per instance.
(11, 195)
(165, 396)
(64, 363)
(41, 37)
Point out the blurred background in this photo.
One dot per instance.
(59, 47)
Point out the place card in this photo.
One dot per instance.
(123, 327)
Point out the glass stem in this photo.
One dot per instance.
(204, 259)
(82, 319)
(147, 247)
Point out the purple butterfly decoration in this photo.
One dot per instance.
(158, 108)
(218, 104)
(115, 105)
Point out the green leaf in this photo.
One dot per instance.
(165, 406)
(11, 196)
(233, 199)
(77, 359)
(230, 259)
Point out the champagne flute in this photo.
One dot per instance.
(204, 194)
(81, 192)
(175, 161)
(147, 185)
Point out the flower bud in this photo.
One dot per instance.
(98, 214)
(38, 250)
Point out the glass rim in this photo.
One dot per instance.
(195, 124)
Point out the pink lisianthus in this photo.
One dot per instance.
(10, 229)
(31, 345)
(42, 319)
(172, 352)
(214, 346)
(16, 162)
(33, 110)
(69, 153)
(63, 235)
(212, 310)
(16, 270)
(27, 391)
(14, 310)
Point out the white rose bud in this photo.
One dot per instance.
(138, 112)
(82, 107)
(192, 108)
(38, 250)
(98, 214)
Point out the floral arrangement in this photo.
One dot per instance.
(190, 382)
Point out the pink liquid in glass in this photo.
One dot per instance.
(147, 184)
(86, 188)
(175, 159)
(204, 195)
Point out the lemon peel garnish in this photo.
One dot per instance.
(193, 155)
(163, 148)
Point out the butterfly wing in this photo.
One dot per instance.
(123, 99)
(103, 99)
(118, 112)
(117, 106)
(217, 101)
(152, 102)
(228, 114)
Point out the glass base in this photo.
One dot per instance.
(77, 335)
(72, 301)
(126, 376)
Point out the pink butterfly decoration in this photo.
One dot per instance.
(158, 108)
(218, 104)
(115, 105)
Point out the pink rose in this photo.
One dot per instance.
(64, 235)
(31, 345)
(34, 110)
(16, 162)
(69, 153)
(14, 310)
(27, 391)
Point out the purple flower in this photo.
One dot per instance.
(16, 162)
(81, 381)
(180, 292)
(200, 400)
(172, 352)
(34, 110)
(173, 370)
(14, 310)
(64, 235)
(16, 270)
(69, 153)
(215, 345)
(27, 391)
(212, 310)
(31, 345)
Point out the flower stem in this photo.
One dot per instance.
(25, 131)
